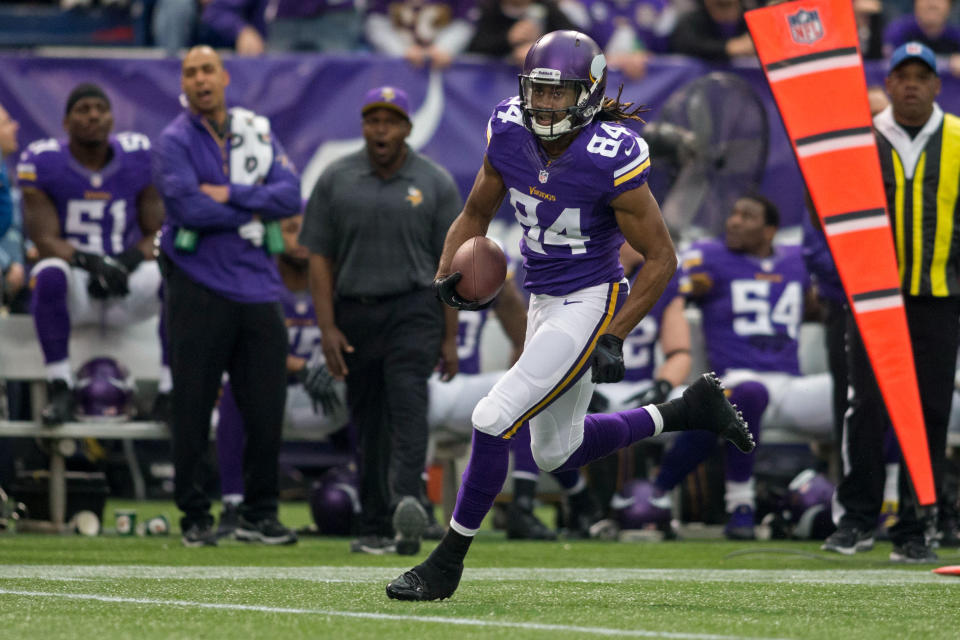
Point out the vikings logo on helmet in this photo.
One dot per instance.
(809, 505)
(104, 390)
(634, 509)
(563, 59)
(335, 502)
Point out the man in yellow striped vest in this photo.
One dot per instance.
(919, 149)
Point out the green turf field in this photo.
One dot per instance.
(112, 587)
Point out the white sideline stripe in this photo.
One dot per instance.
(466, 622)
(876, 577)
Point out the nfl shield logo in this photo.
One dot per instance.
(544, 176)
(805, 26)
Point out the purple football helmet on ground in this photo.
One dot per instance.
(335, 502)
(557, 62)
(809, 505)
(640, 513)
(104, 390)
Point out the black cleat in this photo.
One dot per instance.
(709, 409)
(524, 525)
(59, 407)
(425, 582)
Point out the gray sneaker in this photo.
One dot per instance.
(199, 535)
(409, 521)
(912, 552)
(267, 531)
(374, 545)
(848, 541)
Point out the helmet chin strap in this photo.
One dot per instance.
(551, 131)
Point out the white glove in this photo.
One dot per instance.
(252, 231)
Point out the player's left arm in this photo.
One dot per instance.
(278, 196)
(638, 216)
(150, 218)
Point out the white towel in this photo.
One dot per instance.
(251, 151)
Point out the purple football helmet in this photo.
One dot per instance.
(335, 503)
(809, 505)
(635, 509)
(104, 390)
(557, 62)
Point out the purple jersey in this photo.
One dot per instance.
(570, 236)
(626, 25)
(753, 307)
(469, 329)
(302, 330)
(97, 209)
(639, 346)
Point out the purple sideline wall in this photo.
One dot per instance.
(313, 103)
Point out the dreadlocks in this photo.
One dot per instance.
(615, 111)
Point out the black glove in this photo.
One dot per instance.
(108, 278)
(447, 293)
(130, 259)
(607, 359)
(657, 394)
(319, 385)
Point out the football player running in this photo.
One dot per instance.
(92, 211)
(576, 178)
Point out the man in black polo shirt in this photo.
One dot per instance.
(375, 226)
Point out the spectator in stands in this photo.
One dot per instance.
(315, 401)
(173, 23)
(375, 225)
(715, 30)
(92, 211)
(870, 26)
(631, 31)
(929, 24)
(751, 293)
(915, 138)
(8, 146)
(285, 25)
(507, 28)
(220, 173)
(424, 32)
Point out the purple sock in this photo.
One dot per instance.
(482, 479)
(522, 455)
(230, 441)
(568, 479)
(49, 308)
(604, 433)
(751, 398)
(689, 449)
(891, 447)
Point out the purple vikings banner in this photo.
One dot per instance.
(313, 102)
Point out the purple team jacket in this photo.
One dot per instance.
(186, 156)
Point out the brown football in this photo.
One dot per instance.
(484, 268)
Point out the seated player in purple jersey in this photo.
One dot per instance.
(92, 211)
(315, 401)
(576, 178)
(751, 294)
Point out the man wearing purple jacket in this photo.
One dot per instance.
(220, 173)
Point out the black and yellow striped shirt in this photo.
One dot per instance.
(923, 203)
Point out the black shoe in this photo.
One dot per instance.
(374, 545)
(848, 541)
(949, 533)
(409, 522)
(267, 531)
(229, 521)
(425, 582)
(59, 407)
(708, 408)
(524, 525)
(914, 551)
(160, 411)
(583, 512)
(199, 535)
(434, 531)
